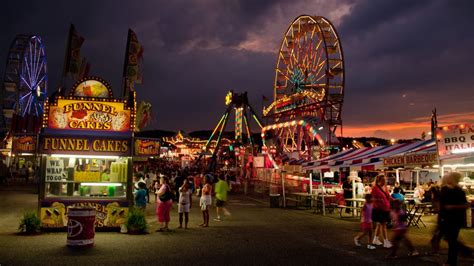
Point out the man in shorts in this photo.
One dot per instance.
(221, 188)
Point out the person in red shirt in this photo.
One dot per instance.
(381, 211)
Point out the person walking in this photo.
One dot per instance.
(221, 188)
(206, 200)
(366, 223)
(184, 204)
(165, 201)
(381, 211)
(400, 229)
(452, 215)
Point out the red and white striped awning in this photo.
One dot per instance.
(370, 156)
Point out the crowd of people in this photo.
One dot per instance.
(169, 183)
(381, 207)
(24, 172)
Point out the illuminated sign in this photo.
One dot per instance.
(147, 147)
(92, 87)
(73, 114)
(414, 159)
(24, 144)
(228, 98)
(84, 145)
(456, 139)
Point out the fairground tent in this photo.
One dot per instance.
(368, 158)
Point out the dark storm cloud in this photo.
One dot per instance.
(417, 48)
(197, 50)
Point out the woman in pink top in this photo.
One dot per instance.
(163, 208)
(381, 211)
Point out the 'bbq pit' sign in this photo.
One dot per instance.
(455, 139)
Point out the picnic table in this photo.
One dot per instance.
(321, 201)
(353, 204)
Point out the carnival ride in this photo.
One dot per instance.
(24, 85)
(308, 91)
(240, 103)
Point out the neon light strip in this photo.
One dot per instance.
(309, 128)
(102, 184)
(215, 129)
(256, 120)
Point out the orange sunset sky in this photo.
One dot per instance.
(404, 130)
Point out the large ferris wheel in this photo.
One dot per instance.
(25, 82)
(308, 90)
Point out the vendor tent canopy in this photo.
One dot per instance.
(323, 161)
(369, 156)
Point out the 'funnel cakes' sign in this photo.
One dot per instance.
(89, 106)
(89, 115)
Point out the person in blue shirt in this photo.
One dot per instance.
(397, 195)
(140, 196)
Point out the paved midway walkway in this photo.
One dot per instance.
(254, 235)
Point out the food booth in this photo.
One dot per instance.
(85, 147)
(23, 154)
(456, 153)
(145, 149)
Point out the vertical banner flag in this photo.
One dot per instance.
(73, 59)
(143, 115)
(133, 57)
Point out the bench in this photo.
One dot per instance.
(352, 208)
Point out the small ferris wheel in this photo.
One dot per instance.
(308, 90)
(25, 80)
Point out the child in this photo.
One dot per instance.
(366, 223)
(206, 201)
(140, 196)
(399, 217)
(184, 204)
